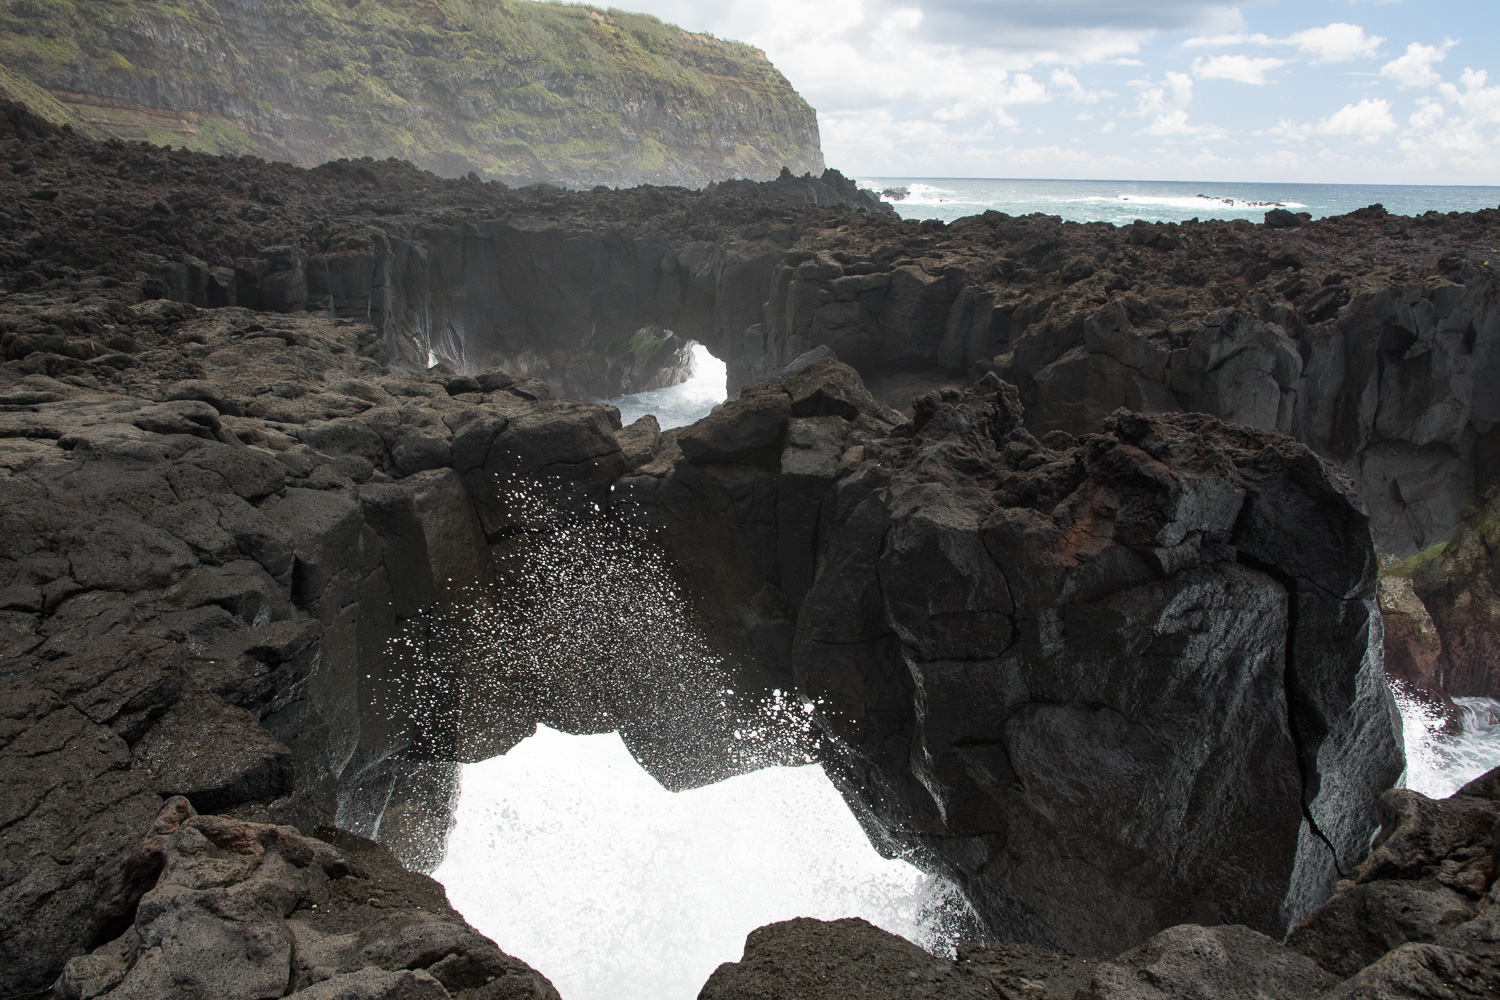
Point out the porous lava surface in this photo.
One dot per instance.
(1368, 337)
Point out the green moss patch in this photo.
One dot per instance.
(1406, 567)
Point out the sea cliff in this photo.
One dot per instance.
(514, 91)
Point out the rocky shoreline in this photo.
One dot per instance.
(1367, 337)
(221, 507)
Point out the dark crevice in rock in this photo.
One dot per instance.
(1298, 717)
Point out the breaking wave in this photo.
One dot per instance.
(1444, 752)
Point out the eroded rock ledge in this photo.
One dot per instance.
(1367, 337)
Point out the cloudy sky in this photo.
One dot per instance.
(1354, 91)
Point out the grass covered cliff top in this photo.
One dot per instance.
(513, 89)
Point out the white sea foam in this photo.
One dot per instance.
(564, 849)
(928, 194)
(1121, 202)
(1439, 762)
(574, 859)
(1207, 203)
(684, 403)
(918, 193)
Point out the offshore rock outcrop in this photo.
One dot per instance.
(517, 91)
(1110, 684)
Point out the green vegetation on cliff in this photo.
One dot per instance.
(511, 89)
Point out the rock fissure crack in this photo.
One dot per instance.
(1289, 584)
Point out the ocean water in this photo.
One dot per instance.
(1122, 202)
(681, 404)
(1440, 760)
(574, 859)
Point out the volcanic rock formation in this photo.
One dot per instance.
(1369, 338)
(1113, 684)
(1110, 681)
(1460, 589)
(214, 538)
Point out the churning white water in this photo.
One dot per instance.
(576, 860)
(684, 403)
(572, 857)
(1440, 760)
(564, 849)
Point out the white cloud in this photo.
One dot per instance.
(1222, 41)
(1176, 123)
(1337, 42)
(1414, 69)
(1428, 115)
(949, 87)
(1242, 69)
(1368, 120)
(1479, 104)
(1286, 129)
(1064, 84)
(1157, 98)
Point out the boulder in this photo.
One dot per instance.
(846, 959)
(255, 910)
(1421, 972)
(1208, 963)
(1110, 685)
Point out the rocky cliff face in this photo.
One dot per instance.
(1460, 589)
(517, 91)
(1378, 367)
(1067, 669)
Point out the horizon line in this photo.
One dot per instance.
(1123, 180)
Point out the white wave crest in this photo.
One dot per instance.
(1203, 202)
(1439, 761)
(924, 194)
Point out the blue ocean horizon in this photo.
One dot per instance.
(1123, 202)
